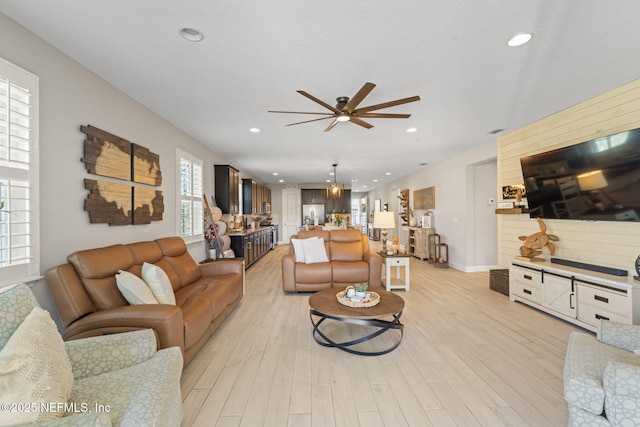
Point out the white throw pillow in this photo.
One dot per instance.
(159, 283)
(298, 250)
(314, 251)
(134, 289)
(34, 370)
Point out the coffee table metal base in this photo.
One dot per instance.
(383, 326)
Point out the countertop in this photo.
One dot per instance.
(246, 231)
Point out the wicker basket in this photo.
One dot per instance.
(374, 299)
(499, 281)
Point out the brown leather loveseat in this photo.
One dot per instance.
(89, 302)
(350, 261)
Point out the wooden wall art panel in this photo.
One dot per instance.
(108, 202)
(114, 157)
(148, 205)
(424, 199)
(106, 154)
(146, 166)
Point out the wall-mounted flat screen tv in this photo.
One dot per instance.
(596, 180)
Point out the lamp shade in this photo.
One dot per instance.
(384, 220)
(593, 180)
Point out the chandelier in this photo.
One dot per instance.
(334, 190)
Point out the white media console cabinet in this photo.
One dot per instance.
(582, 297)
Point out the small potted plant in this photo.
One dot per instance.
(361, 289)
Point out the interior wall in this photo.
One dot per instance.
(454, 201)
(483, 254)
(611, 244)
(71, 96)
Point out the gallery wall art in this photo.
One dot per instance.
(119, 203)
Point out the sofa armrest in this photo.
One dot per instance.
(288, 263)
(624, 336)
(222, 266)
(622, 393)
(107, 353)
(375, 269)
(165, 320)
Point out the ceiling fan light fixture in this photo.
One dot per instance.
(343, 118)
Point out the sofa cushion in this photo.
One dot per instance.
(133, 402)
(313, 273)
(622, 393)
(34, 370)
(134, 289)
(346, 246)
(97, 269)
(175, 254)
(216, 292)
(16, 303)
(159, 283)
(350, 272)
(197, 314)
(584, 367)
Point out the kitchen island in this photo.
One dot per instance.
(253, 243)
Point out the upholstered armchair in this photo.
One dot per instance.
(602, 376)
(118, 379)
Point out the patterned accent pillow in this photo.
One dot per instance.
(34, 369)
(159, 283)
(134, 289)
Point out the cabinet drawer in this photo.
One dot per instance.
(593, 315)
(526, 291)
(603, 300)
(527, 277)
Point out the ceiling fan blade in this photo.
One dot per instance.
(309, 121)
(359, 122)
(314, 99)
(299, 112)
(331, 126)
(384, 115)
(358, 97)
(387, 104)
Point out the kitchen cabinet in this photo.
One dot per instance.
(313, 196)
(227, 189)
(256, 198)
(340, 204)
(253, 244)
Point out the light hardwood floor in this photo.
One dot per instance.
(469, 357)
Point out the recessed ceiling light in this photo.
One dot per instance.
(354, 180)
(191, 34)
(254, 130)
(328, 180)
(411, 130)
(364, 186)
(519, 39)
(275, 173)
(375, 180)
(388, 173)
(281, 180)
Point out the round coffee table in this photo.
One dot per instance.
(324, 306)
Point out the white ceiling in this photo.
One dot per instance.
(257, 53)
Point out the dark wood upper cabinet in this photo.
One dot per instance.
(227, 188)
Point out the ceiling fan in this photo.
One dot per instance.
(346, 111)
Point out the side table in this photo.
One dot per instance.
(398, 260)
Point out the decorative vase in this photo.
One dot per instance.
(412, 221)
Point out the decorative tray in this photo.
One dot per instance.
(370, 301)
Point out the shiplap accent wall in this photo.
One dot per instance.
(612, 244)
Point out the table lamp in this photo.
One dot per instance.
(384, 220)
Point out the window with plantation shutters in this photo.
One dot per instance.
(189, 191)
(19, 239)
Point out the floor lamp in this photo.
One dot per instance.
(384, 220)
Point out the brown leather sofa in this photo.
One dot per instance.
(89, 302)
(350, 261)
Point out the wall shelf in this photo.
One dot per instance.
(512, 211)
